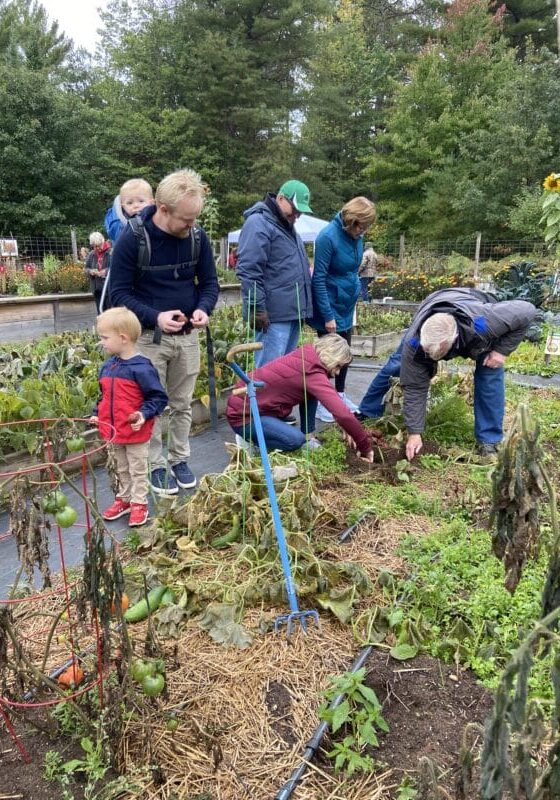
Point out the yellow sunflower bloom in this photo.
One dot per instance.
(552, 182)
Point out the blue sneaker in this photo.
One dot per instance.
(183, 475)
(163, 482)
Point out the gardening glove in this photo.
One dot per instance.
(262, 321)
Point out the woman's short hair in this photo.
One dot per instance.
(120, 320)
(358, 211)
(437, 335)
(333, 351)
(184, 183)
(96, 239)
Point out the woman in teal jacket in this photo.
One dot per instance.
(335, 284)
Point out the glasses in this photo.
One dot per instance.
(295, 212)
(361, 228)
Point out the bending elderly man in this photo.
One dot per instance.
(451, 323)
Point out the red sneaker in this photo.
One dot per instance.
(138, 514)
(117, 509)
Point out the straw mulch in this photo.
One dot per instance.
(245, 715)
(247, 718)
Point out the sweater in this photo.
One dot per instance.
(181, 286)
(286, 380)
(129, 385)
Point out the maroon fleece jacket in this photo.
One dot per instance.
(285, 379)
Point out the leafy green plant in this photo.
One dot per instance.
(359, 714)
(50, 263)
(372, 320)
(522, 281)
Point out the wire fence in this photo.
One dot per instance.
(476, 248)
(19, 250)
(16, 251)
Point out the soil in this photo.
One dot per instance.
(427, 705)
(21, 781)
(384, 461)
(26, 781)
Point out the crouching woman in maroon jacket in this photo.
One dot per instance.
(300, 377)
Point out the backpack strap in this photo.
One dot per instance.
(143, 240)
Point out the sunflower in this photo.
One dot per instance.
(552, 182)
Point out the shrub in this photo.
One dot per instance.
(44, 283)
(71, 278)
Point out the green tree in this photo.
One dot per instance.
(47, 156)
(347, 82)
(466, 132)
(220, 81)
(28, 39)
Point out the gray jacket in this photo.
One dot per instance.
(483, 325)
(272, 265)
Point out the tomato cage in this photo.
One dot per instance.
(55, 641)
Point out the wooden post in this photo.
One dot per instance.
(224, 252)
(477, 250)
(401, 243)
(74, 245)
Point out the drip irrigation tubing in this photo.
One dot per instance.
(313, 744)
(347, 532)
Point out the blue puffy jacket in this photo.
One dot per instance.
(115, 220)
(272, 264)
(335, 284)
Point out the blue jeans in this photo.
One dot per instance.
(489, 397)
(364, 286)
(278, 435)
(279, 339)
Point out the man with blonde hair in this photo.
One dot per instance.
(451, 323)
(163, 270)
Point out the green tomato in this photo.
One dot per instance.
(152, 685)
(140, 669)
(26, 412)
(48, 504)
(67, 517)
(75, 444)
(60, 500)
(172, 724)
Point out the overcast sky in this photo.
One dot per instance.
(78, 19)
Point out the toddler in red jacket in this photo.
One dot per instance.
(131, 398)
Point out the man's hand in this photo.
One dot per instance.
(136, 420)
(413, 445)
(199, 318)
(330, 326)
(171, 321)
(262, 321)
(93, 420)
(494, 360)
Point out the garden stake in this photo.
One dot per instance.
(295, 614)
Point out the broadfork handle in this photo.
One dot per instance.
(249, 347)
(239, 391)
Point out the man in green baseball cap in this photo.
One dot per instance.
(297, 194)
(273, 268)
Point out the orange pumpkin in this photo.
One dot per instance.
(124, 604)
(71, 677)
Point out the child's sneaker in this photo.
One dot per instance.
(117, 509)
(138, 514)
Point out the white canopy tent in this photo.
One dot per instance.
(307, 227)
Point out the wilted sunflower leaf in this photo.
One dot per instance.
(168, 620)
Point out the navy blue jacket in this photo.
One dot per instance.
(272, 264)
(129, 385)
(335, 284)
(148, 292)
